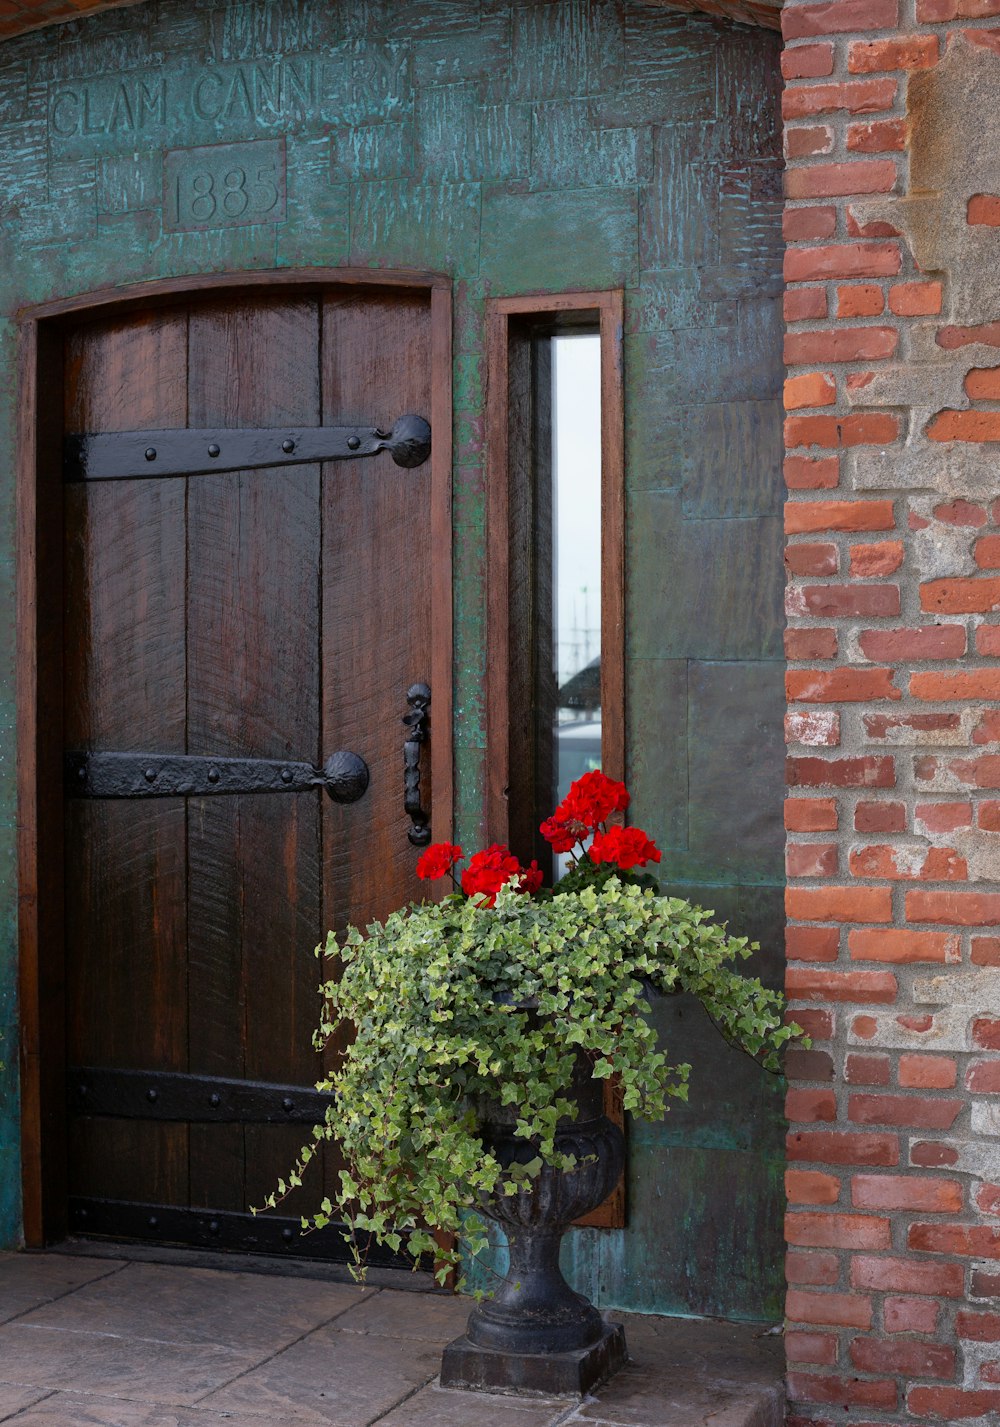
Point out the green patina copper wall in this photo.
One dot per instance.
(517, 146)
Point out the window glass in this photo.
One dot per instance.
(576, 558)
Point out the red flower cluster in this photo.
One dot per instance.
(491, 869)
(625, 847)
(590, 801)
(585, 809)
(438, 860)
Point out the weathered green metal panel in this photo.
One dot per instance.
(518, 146)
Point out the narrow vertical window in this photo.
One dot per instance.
(555, 508)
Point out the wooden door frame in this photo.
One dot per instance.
(39, 642)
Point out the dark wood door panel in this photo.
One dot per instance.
(272, 613)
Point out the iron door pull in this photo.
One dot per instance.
(417, 725)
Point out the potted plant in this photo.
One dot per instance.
(485, 1024)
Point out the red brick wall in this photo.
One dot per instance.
(892, 112)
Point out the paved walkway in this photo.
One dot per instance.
(99, 1342)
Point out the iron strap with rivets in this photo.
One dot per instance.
(179, 775)
(120, 455)
(191, 1099)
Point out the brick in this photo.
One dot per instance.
(859, 96)
(986, 1033)
(868, 772)
(860, 987)
(842, 1147)
(983, 210)
(984, 1078)
(810, 814)
(989, 816)
(904, 1275)
(842, 180)
(807, 61)
(943, 817)
(927, 1072)
(965, 1240)
(805, 141)
(863, 299)
(933, 1154)
(880, 557)
(900, 946)
(908, 863)
(803, 517)
(958, 596)
(842, 260)
(906, 1358)
(844, 601)
(952, 1403)
(810, 1106)
(977, 426)
(987, 552)
(987, 1198)
(960, 908)
(813, 559)
(811, 859)
(981, 772)
(812, 943)
(823, 686)
(803, 473)
(844, 1392)
(910, 1315)
(951, 338)
(882, 725)
(985, 951)
(987, 729)
(983, 383)
(837, 16)
(912, 52)
(803, 1064)
(927, 641)
(842, 344)
(811, 1186)
(810, 389)
(818, 1348)
(817, 728)
(866, 1069)
(810, 644)
(873, 428)
(985, 1284)
(818, 1025)
(976, 684)
(906, 1191)
(843, 1310)
(921, 1112)
(800, 225)
(828, 1230)
(882, 136)
(988, 640)
(979, 1327)
(803, 303)
(915, 299)
(812, 1266)
(880, 817)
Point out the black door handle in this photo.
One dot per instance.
(417, 724)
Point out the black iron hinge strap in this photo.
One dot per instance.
(120, 455)
(190, 1099)
(174, 775)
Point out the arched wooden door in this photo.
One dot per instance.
(225, 633)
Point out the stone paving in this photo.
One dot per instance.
(90, 1341)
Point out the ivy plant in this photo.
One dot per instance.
(467, 1000)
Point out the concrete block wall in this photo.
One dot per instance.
(892, 138)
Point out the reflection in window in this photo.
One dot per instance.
(575, 720)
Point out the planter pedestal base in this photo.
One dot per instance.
(570, 1374)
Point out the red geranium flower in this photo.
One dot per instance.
(561, 837)
(625, 847)
(492, 869)
(437, 860)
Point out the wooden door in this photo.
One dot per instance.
(273, 615)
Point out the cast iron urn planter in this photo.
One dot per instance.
(536, 1335)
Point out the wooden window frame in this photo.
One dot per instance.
(39, 616)
(504, 734)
